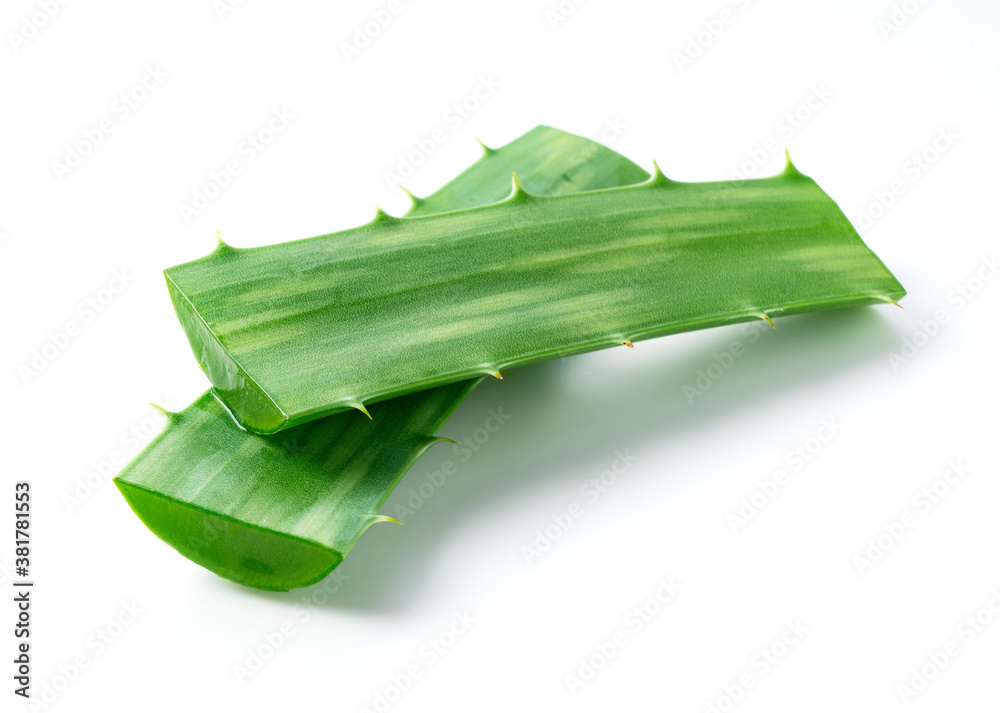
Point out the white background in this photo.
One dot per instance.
(888, 92)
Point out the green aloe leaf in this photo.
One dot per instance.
(281, 511)
(291, 332)
(548, 162)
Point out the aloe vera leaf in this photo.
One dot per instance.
(291, 332)
(548, 162)
(281, 511)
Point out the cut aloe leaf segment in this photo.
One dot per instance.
(291, 332)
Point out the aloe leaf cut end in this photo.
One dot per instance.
(235, 550)
(278, 511)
